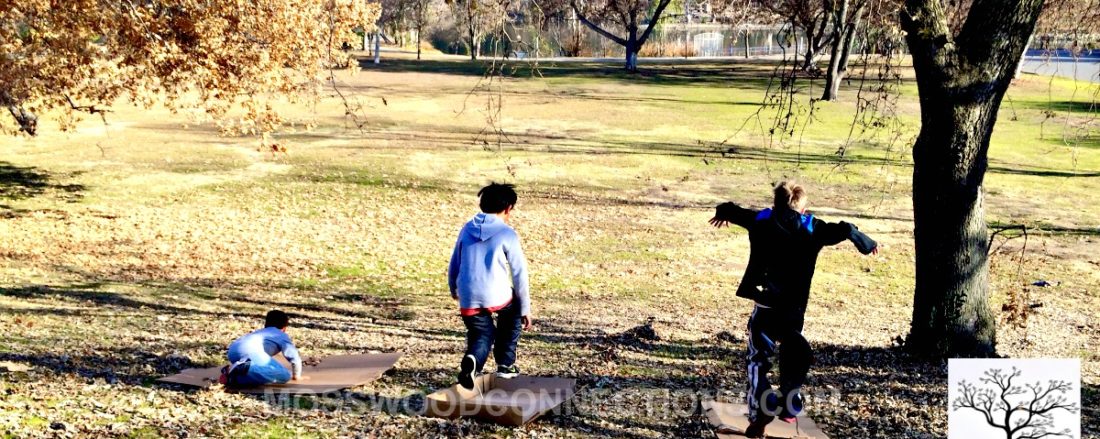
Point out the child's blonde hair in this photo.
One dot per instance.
(790, 195)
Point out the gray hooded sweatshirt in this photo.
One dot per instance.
(487, 268)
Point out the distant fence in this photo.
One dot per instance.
(709, 44)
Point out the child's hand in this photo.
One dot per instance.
(718, 223)
(526, 323)
(874, 251)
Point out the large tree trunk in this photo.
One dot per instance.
(961, 80)
(951, 313)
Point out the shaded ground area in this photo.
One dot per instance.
(24, 182)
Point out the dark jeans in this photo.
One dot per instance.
(769, 329)
(502, 337)
(260, 372)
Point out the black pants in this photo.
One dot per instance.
(482, 335)
(769, 329)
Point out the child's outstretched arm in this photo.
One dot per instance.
(291, 354)
(452, 269)
(729, 212)
(520, 284)
(835, 233)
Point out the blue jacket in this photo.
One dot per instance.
(487, 266)
(260, 345)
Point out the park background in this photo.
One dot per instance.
(142, 242)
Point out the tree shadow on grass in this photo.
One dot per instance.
(750, 74)
(88, 293)
(877, 388)
(1090, 410)
(1084, 107)
(860, 388)
(435, 138)
(25, 182)
(381, 309)
(133, 365)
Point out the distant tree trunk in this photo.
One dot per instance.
(632, 48)
(366, 40)
(473, 34)
(378, 46)
(845, 24)
(633, 42)
(815, 41)
(474, 43)
(961, 80)
(419, 26)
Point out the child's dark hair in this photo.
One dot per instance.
(496, 197)
(276, 319)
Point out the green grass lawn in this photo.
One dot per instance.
(136, 249)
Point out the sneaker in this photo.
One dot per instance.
(789, 412)
(466, 375)
(223, 379)
(234, 372)
(507, 372)
(756, 429)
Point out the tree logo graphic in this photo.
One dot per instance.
(1014, 399)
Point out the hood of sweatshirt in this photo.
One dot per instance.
(484, 226)
(787, 220)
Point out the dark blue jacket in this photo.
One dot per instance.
(784, 247)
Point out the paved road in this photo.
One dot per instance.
(1082, 70)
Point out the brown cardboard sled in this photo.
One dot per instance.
(731, 420)
(514, 401)
(328, 374)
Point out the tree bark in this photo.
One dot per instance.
(473, 44)
(378, 46)
(27, 120)
(632, 50)
(815, 40)
(846, 23)
(961, 81)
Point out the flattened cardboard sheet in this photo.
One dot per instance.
(515, 401)
(731, 420)
(329, 374)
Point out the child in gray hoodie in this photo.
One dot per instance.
(487, 275)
